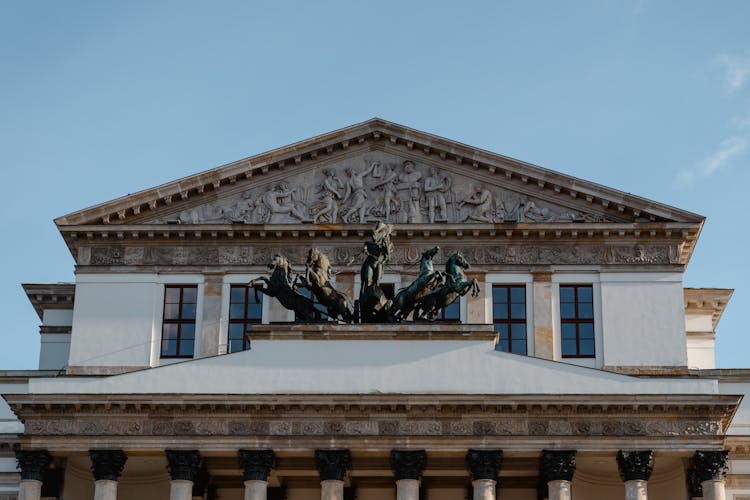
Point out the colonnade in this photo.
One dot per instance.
(189, 479)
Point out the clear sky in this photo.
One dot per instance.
(100, 99)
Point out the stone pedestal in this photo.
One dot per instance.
(29, 489)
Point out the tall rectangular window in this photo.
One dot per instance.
(178, 323)
(509, 317)
(577, 321)
(244, 311)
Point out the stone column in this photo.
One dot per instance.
(635, 470)
(106, 465)
(183, 467)
(257, 465)
(32, 464)
(558, 467)
(211, 322)
(484, 466)
(711, 468)
(407, 467)
(544, 319)
(332, 466)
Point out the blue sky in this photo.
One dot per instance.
(101, 99)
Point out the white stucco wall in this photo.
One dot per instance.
(643, 320)
(54, 351)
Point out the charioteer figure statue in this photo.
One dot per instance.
(373, 304)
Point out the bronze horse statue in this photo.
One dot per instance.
(428, 279)
(456, 285)
(317, 278)
(283, 286)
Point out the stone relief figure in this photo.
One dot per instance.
(280, 201)
(410, 180)
(355, 190)
(390, 193)
(372, 301)
(435, 188)
(482, 201)
(331, 190)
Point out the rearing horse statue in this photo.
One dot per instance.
(428, 279)
(282, 286)
(317, 278)
(456, 285)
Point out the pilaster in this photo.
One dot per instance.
(544, 338)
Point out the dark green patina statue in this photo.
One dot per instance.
(283, 285)
(373, 304)
(428, 279)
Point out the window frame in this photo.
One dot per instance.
(180, 321)
(510, 320)
(244, 320)
(577, 321)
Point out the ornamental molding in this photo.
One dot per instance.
(711, 301)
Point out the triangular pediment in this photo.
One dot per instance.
(378, 170)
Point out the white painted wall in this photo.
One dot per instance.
(54, 351)
(643, 319)
(117, 318)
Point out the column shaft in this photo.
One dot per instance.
(407, 489)
(256, 490)
(30, 489)
(559, 489)
(636, 489)
(713, 489)
(484, 489)
(544, 340)
(331, 489)
(105, 489)
(181, 489)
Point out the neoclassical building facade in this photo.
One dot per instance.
(580, 367)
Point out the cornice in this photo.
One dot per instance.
(50, 296)
(711, 301)
(377, 133)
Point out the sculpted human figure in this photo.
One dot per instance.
(330, 192)
(388, 183)
(278, 201)
(410, 179)
(355, 189)
(435, 187)
(482, 201)
(371, 298)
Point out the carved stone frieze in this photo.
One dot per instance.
(107, 464)
(343, 255)
(408, 464)
(377, 186)
(484, 464)
(635, 465)
(257, 464)
(558, 465)
(333, 464)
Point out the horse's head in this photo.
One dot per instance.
(429, 254)
(458, 260)
(278, 261)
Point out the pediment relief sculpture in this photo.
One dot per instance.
(377, 186)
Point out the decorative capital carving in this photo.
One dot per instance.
(484, 464)
(333, 464)
(257, 464)
(32, 463)
(183, 464)
(711, 465)
(635, 464)
(558, 465)
(107, 464)
(408, 464)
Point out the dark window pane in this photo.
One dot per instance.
(518, 311)
(188, 311)
(186, 347)
(499, 294)
(237, 311)
(187, 331)
(252, 300)
(453, 311)
(171, 295)
(518, 294)
(585, 311)
(569, 348)
(168, 347)
(237, 294)
(586, 331)
(190, 294)
(587, 347)
(518, 332)
(171, 311)
(169, 331)
(234, 345)
(254, 311)
(567, 294)
(518, 346)
(236, 331)
(502, 346)
(585, 294)
(502, 331)
(568, 331)
(500, 311)
(567, 311)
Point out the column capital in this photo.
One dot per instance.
(107, 464)
(257, 464)
(333, 464)
(484, 464)
(711, 465)
(635, 464)
(183, 464)
(558, 465)
(408, 464)
(32, 463)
